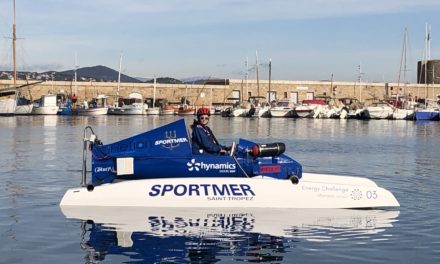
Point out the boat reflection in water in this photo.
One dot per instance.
(209, 235)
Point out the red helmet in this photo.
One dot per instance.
(203, 111)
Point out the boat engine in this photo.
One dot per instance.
(268, 150)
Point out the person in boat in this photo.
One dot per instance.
(74, 100)
(203, 139)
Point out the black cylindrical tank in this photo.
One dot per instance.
(268, 150)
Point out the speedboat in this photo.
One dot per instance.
(283, 108)
(158, 169)
(379, 110)
(308, 108)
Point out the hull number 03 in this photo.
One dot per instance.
(371, 195)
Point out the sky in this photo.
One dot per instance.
(304, 39)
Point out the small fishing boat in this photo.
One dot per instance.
(46, 105)
(158, 169)
(133, 105)
(167, 110)
(185, 110)
(98, 106)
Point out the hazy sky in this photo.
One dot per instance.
(306, 39)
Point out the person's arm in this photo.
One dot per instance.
(205, 141)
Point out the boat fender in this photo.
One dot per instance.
(268, 150)
(90, 187)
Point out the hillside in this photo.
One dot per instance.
(95, 73)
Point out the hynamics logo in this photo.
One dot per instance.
(193, 165)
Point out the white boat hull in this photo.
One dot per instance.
(24, 109)
(7, 106)
(281, 112)
(153, 111)
(380, 112)
(262, 112)
(240, 112)
(403, 114)
(93, 111)
(167, 111)
(45, 110)
(130, 110)
(313, 191)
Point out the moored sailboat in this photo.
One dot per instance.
(153, 110)
(13, 103)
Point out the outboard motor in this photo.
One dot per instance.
(268, 150)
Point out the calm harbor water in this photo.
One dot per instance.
(41, 158)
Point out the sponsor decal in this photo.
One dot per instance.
(332, 191)
(104, 169)
(171, 141)
(270, 169)
(218, 222)
(193, 165)
(212, 192)
(356, 194)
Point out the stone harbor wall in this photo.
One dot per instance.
(234, 89)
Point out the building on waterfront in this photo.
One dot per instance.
(428, 72)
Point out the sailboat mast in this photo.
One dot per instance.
(270, 76)
(14, 40)
(75, 74)
(256, 68)
(247, 77)
(332, 94)
(402, 64)
(405, 43)
(154, 92)
(426, 62)
(360, 81)
(119, 79)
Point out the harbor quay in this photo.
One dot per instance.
(228, 91)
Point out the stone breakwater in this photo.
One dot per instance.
(218, 94)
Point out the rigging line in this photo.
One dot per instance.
(247, 176)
